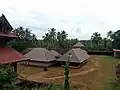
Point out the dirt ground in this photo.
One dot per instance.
(91, 76)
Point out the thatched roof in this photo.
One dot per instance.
(56, 54)
(78, 45)
(78, 56)
(40, 54)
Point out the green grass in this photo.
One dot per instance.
(108, 69)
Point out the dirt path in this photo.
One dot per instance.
(76, 74)
(38, 77)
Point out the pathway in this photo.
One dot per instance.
(38, 77)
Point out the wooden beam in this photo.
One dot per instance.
(15, 67)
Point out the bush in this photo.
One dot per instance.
(7, 77)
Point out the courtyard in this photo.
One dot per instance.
(91, 76)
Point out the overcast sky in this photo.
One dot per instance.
(79, 18)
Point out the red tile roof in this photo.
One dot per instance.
(116, 50)
(8, 55)
(8, 35)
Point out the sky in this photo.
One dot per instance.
(79, 18)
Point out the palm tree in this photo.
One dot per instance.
(109, 34)
(105, 43)
(96, 39)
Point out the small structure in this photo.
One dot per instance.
(77, 57)
(78, 45)
(8, 55)
(40, 57)
(116, 53)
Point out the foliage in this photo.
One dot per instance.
(7, 76)
(97, 43)
(66, 73)
(96, 40)
(25, 39)
(53, 39)
(116, 39)
(54, 87)
(51, 87)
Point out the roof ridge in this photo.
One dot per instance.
(76, 55)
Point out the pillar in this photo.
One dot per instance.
(15, 67)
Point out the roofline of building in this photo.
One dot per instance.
(116, 50)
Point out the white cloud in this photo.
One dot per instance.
(79, 18)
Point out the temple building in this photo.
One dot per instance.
(78, 57)
(8, 55)
(40, 57)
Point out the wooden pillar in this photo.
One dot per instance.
(45, 68)
(15, 67)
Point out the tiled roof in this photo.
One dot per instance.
(116, 50)
(8, 35)
(8, 55)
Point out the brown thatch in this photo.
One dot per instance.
(56, 54)
(40, 54)
(78, 45)
(78, 56)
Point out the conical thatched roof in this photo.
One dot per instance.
(78, 56)
(78, 45)
(56, 54)
(40, 54)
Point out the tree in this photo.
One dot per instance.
(55, 39)
(25, 39)
(66, 73)
(7, 77)
(51, 35)
(116, 39)
(109, 34)
(96, 39)
(61, 38)
(105, 43)
(50, 38)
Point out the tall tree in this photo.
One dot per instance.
(116, 39)
(96, 39)
(50, 38)
(110, 34)
(105, 43)
(26, 39)
(51, 35)
(61, 38)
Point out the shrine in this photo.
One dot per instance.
(8, 55)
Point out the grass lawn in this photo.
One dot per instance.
(92, 76)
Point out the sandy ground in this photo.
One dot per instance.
(88, 77)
